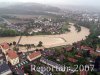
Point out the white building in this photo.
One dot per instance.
(12, 57)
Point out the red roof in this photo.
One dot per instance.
(87, 48)
(5, 45)
(72, 59)
(34, 54)
(12, 54)
(78, 56)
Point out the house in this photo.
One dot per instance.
(12, 57)
(72, 59)
(78, 56)
(52, 64)
(43, 71)
(86, 48)
(34, 56)
(5, 47)
(2, 58)
(5, 70)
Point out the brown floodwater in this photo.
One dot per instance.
(51, 40)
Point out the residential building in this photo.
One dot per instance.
(72, 59)
(5, 47)
(42, 70)
(5, 70)
(12, 57)
(2, 57)
(52, 64)
(34, 56)
(87, 49)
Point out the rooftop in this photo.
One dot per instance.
(4, 68)
(5, 45)
(72, 59)
(12, 54)
(34, 54)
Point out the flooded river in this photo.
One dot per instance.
(51, 40)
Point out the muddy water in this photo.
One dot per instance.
(51, 40)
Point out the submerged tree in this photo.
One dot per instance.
(40, 44)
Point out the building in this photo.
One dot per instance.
(72, 60)
(86, 48)
(43, 71)
(52, 64)
(78, 56)
(34, 56)
(12, 57)
(2, 57)
(5, 70)
(5, 47)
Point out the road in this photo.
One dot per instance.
(6, 21)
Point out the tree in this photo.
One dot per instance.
(28, 46)
(40, 44)
(10, 44)
(16, 49)
(14, 43)
(27, 69)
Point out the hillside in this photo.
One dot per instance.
(28, 8)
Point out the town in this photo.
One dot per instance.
(15, 62)
(36, 25)
(49, 39)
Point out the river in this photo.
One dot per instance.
(51, 40)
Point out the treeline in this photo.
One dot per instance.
(93, 26)
(12, 33)
(77, 27)
(8, 32)
(92, 40)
